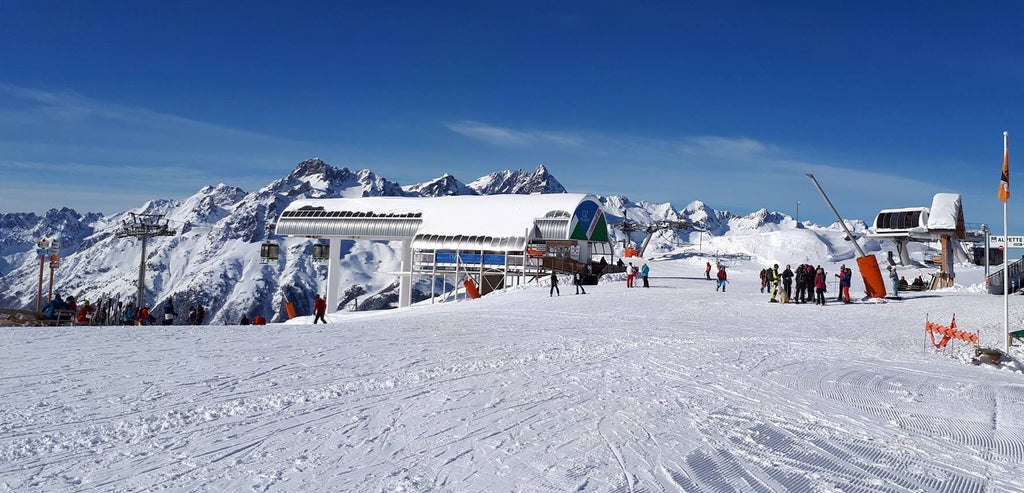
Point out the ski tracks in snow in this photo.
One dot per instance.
(478, 396)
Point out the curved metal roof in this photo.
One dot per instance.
(465, 222)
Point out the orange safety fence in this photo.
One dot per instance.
(947, 333)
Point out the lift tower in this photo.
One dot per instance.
(144, 226)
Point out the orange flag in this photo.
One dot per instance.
(1004, 182)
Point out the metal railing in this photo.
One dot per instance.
(995, 280)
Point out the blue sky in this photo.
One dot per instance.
(104, 105)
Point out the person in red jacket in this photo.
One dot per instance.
(84, 313)
(319, 309)
(143, 316)
(259, 320)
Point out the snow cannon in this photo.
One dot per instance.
(874, 284)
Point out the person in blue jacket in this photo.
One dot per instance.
(644, 271)
(895, 278)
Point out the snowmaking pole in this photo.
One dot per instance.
(868, 264)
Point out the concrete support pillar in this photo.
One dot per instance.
(901, 247)
(405, 280)
(333, 275)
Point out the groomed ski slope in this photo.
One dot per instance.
(672, 388)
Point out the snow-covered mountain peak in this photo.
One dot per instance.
(761, 220)
(517, 182)
(443, 185)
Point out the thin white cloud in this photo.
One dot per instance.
(726, 147)
(45, 107)
(507, 137)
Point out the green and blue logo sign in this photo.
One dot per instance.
(588, 223)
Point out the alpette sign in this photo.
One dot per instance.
(999, 241)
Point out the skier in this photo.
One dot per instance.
(773, 283)
(644, 271)
(707, 271)
(577, 279)
(801, 283)
(819, 286)
(787, 283)
(630, 273)
(259, 320)
(554, 285)
(319, 309)
(847, 281)
(722, 278)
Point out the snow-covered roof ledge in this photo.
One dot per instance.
(946, 212)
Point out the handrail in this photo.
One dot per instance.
(1016, 271)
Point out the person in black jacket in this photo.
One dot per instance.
(787, 282)
(577, 279)
(169, 312)
(554, 284)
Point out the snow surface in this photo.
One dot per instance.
(672, 388)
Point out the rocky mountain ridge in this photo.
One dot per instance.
(214, 258)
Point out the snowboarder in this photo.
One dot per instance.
(722, 279)
(577, 279)
(259, 320)
(554, 285)
(319, 309)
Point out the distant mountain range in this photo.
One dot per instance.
(214, 259)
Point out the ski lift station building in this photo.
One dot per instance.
(497, 240)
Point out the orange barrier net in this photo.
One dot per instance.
(948, 333)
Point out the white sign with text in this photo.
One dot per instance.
(998, 241)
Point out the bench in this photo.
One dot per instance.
(1017, 335)
(28, 318)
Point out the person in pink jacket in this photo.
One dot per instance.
(819, 286)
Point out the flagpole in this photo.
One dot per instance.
(1006, 250)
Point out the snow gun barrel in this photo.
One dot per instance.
(874, 285)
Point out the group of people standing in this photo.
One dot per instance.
(632, 272)
(811, 283)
